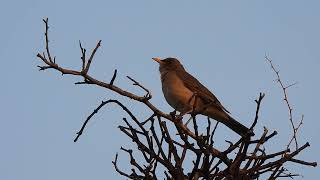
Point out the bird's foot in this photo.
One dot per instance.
(173, 114)
(179, 117)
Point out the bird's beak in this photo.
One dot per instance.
(157, 60)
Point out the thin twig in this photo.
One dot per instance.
(284, 90)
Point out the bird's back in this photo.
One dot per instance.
(202, 92)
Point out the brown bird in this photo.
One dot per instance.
(186, 94)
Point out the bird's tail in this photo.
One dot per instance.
(227, 120)
(237, 127)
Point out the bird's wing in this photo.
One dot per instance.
(202, 92)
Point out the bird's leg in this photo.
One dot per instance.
(177, 117)
(182, 114)
(186, 110)
(191, 110)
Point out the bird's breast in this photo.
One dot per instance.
(177, 95)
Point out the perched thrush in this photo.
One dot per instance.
(186, 94)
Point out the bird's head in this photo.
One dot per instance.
(169, 64)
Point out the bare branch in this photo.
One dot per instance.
(83, 56)
(47, 39)
(117, 169)
(169, 142)
(284, 90)
(136, 83)
(258, 101)
(113, 77)
(91, 57)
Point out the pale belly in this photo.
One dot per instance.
(176, 94)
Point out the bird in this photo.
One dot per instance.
(187, 95)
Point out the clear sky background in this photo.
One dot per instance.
(222, 43)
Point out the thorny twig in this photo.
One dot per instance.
(285, 95)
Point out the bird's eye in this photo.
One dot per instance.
(167, 62)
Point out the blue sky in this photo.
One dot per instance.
(222, 43)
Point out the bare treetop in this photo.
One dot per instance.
(164, 140)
